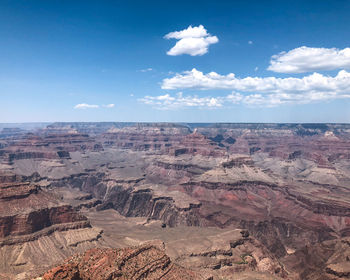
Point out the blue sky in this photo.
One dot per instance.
(108, 61)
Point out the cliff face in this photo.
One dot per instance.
(25, 208)
(144, 203)
(132, 200)
(38, 220)
(37, 228)
(47, 146)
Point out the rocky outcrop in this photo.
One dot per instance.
(228, 253)
(37, 220)
(197, 144)
(341, 270)
(168, 138)
(144, 137)
(30, 155)
(47, 146)
(132, 201)
(144, 203)
(143, 262)
(37, 229)
(25, 208)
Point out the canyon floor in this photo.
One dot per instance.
(175, 201)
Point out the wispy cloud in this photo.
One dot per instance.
(109, 105)
(146, 70)
(193, 41)
(92, 106)
(305, 59)
(86, 106)
(250, 42)
(168, 102)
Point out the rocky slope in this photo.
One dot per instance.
(37, 228)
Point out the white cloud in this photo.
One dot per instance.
(167, 102)
(193, 41)
(92, 106)
(109, 105)
(190, 32)
(212, 80)
(305, 59)
(85, 106)
(146, 70)
(267, 91)
(250, 42)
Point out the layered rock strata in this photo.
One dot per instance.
(143, 262)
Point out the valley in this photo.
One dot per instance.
(210, 201)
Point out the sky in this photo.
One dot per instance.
(175, 61)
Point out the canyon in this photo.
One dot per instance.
(175, 201)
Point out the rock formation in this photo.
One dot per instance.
(286, 184)
(143, 262)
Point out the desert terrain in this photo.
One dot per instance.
(175, 201)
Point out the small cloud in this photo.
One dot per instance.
(131, 94)
(193, 41)
(250, 42)
(146, 70)
(109, 105)
(256, 68)
(85, 106)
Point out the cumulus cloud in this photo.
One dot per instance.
(85, 106)
(267, 91)
(305, 59)
(167, 101)
(314, 82)
(193, 41)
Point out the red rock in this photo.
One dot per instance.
(25, 208)
(142, 262)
